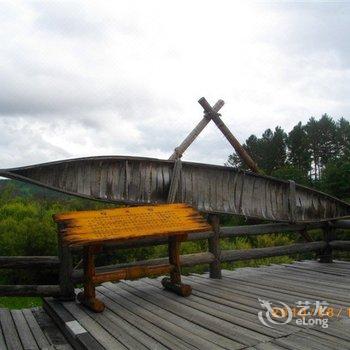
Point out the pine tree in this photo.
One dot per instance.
(298, 149)
(343, 138)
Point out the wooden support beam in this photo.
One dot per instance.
(260, 229)
(340, 245)
(345, 224)
(66, 268)
(174, 183)
(258, 253)
(131, 273)
(179, 151)
(229, 136)
(326, 256)
(292, 201)
(214, 246)
(185, 261)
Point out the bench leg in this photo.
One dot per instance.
(88, 296)
(174, 282)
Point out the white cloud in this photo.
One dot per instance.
(83, 78)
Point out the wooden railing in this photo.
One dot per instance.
(69, 277)
(51, 263)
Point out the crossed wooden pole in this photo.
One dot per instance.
(211, 113)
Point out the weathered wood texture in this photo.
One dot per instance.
(30, 329)
(210, 258)
(214, 246)
(258, 253)
(220, 314)
(91, 229)
(185, 261)
(209, 188)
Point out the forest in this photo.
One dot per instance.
(316, 154)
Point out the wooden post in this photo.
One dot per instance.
(174, 282)
(88, 296)
(177, 154)
(292, 201)
(229, 136)
(214, 246)
(66, 269)
(174, 259)
(327, 254)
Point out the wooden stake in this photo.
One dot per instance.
(179, 151)
(214, 246)
(229, 136)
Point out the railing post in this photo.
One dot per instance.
(214, 246)
(326, 255)
(66, 269)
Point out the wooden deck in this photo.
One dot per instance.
(30, 329)
(220, 314)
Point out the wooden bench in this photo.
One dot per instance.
(91, 229)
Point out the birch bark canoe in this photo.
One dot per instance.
(209, 188)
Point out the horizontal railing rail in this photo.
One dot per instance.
(225, 232)
(29, 262)
(69, 277)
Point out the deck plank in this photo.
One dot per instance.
(51, 331)
(121, 330)
(254, 328)
(162, 318)
(283, 285)
(2, 339)
(220, 314)
(9, 330)
(63, 319)
(95, 329)
(155, 334)
(223, 332)
(24, 332)
(35, 329)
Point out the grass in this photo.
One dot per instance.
(20, 302)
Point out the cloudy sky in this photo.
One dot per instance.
(83, 78)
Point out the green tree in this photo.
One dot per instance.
(253, 148)
(299, 155)
(336, 178)
(343, 138)
(323, 143)
(289, 172)
(269, 151)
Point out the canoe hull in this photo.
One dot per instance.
(208, 188)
